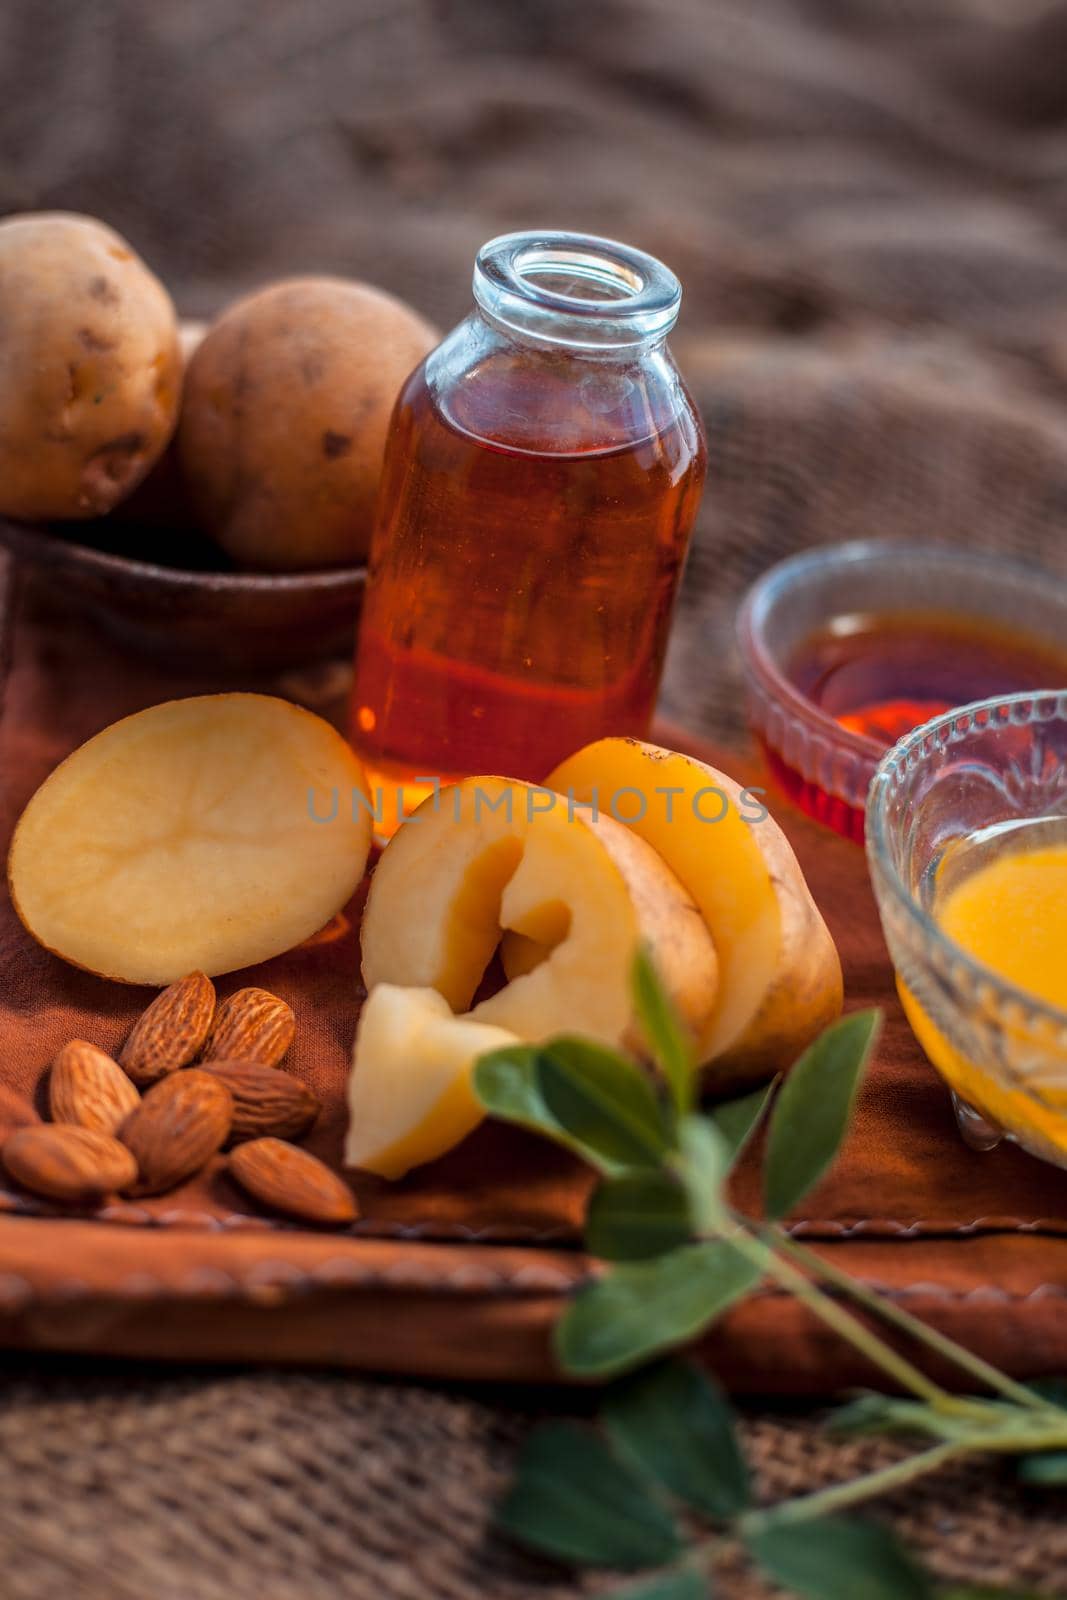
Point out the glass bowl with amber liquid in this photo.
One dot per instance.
(542, 473)
(848, 647)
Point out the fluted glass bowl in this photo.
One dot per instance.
(988, 769)
(825, 768)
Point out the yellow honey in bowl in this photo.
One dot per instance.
(1012, 916)
(1009, 913)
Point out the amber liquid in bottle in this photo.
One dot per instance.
(532, 529)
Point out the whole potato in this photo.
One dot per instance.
(286, 407)
(90, 367)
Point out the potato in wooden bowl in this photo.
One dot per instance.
(90, 379)
(287, 403)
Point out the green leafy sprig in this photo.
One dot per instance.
(679, 1256)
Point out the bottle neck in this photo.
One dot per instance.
(576, 292)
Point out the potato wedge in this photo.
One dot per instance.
(409, 1096)
(491, 856)
(779, 972)
(204, 834)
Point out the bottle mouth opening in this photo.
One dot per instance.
(576, 289)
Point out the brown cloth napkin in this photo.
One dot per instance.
(460, 1269)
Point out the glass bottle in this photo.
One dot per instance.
(542, 473)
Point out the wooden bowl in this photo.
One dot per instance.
(181, 608)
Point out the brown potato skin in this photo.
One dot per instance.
(287, 404)
(90, 367)
(806, 995)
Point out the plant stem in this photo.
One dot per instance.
(841, 1495)
(842, 1321)
(963, 1358)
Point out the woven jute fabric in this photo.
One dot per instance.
(866, 201)
(114, 1486)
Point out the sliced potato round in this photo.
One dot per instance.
(208, 833)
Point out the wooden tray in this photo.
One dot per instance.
(460, 1270)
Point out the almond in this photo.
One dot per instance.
(170, 1033)
(176, 1129)
(288, 1179)
(265, 1101)
(64, 1163)
(252, 1025)
(87, 1088)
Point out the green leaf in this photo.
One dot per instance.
(737, 1120)
(705, 1163)
(636, 1311)
(1047, 1469)
(813, 1109)
(677, 1427)
(637, 1215)
(836, 1558)
(508, 1083)
(574, 1499)
(998, 1424)
(669, 1586)
(603, 1102)
(664, 1032)
(881, 1413)
(867, 1413)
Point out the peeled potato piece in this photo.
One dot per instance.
(779, 972)
(491, 856)
(573, 896)
(410, 1095)
(192, 836)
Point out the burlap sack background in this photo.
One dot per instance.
(866, 200)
